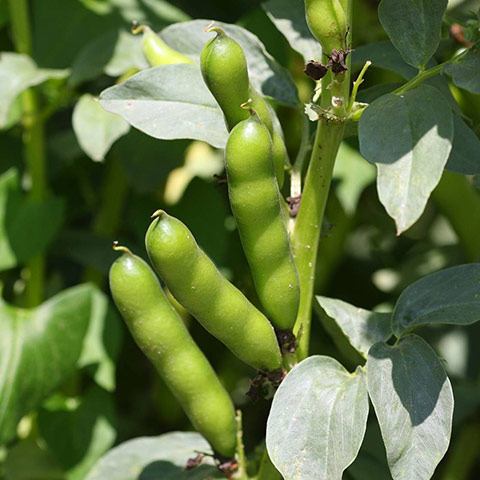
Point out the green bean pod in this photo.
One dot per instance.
(255, 202)
(327, 21)
(220, 307)
(164, 339)
(156, 51)
(225, 72)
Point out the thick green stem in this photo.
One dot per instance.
(267, 471)
(34, 145)
(308, 225)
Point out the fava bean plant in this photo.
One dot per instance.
(277, 379)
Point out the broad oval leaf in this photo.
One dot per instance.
(414, 27)
(17, 73)
(318, 420)
(363, 328)
(95, 128)
(168, 102)
(409, 137)
(464, 72)
(449, 296)
(160, 458)
(39, 349)
(289, 18)
(413, 401)
(27, 227)
(103, 340)
(465, 155)
(265, 73)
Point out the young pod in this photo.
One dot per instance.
(225, 72)
(218, 305)
(156, 51)
(163, 338)
(255, 202)
(327, 21)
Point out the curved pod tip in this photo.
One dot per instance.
(157, 213)
(120, 248)
(211, 27)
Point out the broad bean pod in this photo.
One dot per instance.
(225, 72)
(156, 51)
(163, 338)
(255, 202)
(327, 21)
(218, 305)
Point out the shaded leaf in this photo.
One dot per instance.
(95, 128)
(161, 458)
(102, 342)
(168, 102)
(409, 137)
(17, 73)
(464, 72)
(26, 227)
(362, 327)
(114, 52)
(354, 174)
(265, 73)
(289, 18)
(413, 27)
(39, 349)
(465, 155)
(413, 401)
(317, 420)
(79, 436)
(449, 296)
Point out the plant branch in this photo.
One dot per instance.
(33, 143)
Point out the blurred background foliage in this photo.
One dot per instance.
(102, 182)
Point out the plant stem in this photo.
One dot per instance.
(308, 225)
(241, 473)
(34, 145)
(267, 471)
(426, 74)
(296, 180)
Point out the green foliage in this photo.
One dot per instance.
(93, 140)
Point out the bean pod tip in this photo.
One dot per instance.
(120, 248)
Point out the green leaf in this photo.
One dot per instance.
(413, 401)
(265, 73)
(450, 296)
(289, 18)
(95, 128)
(29, 459)
(79, 436)
(39, 349)
(17, 73)
(464, 72)
(317, 420)
(414, 27)
(114, 52)
(77, 22)
(362, 327)
(465, 155)
(354, 174)
(26, 227)
(383, 55)
(159, 458)
(409, 138)
(168, 102)
(103, 341)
